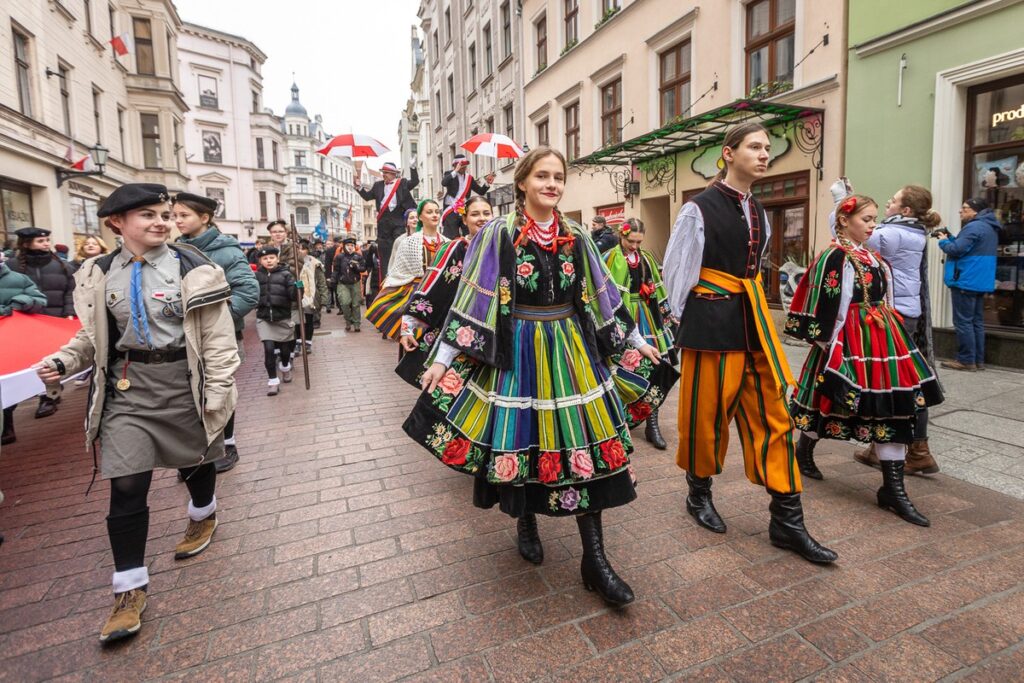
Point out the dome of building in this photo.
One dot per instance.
(295, 107)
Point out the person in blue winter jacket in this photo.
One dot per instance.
(970, 274)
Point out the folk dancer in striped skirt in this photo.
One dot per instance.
(412, 256)
(864, 378)
(732, 365)
(520, 394)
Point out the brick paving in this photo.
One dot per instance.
(347, 553)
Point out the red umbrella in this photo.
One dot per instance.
(493, 145)
(26, 339)
(352, 145)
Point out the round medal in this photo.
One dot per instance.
(123, 384)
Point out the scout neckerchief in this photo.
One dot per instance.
(463, 193)
(137, 304)
(387, 202)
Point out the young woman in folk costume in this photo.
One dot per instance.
(412, 255)
(636, 273)
(864, 378)
(519, 393)
(429, 305)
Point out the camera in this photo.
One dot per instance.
(939, 232)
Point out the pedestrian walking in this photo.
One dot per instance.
(733, 367)
(193, 216)
(274, 323)
(970, 274)
(314, 292)
(372, 277)
(864, 377)
(346, 271)
(17, 293)
(331, 249)
(518, 393)
(393, 197)
(157, 326)
(603, 234)
(457, 185)
(413, 255)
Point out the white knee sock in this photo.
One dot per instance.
(199, 514)
(130, 579)
(891, 451)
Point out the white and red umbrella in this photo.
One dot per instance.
(352, 145)
(493, 145)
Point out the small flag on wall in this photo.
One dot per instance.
(122, 44)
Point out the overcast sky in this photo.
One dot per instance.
(351, 59)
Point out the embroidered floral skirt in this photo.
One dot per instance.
(547, 436)
(869, 385)
(385, 311)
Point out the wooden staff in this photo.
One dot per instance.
(298, 298)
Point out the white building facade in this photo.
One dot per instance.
(414, 125)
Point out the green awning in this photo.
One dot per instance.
(701, 130)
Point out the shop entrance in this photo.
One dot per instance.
(656, 213)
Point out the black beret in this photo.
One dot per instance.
(32, 232)
(349, 240)
(208, 202)
(132, 196)
(267, 251)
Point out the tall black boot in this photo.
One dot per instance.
(700, 506)
(529, 539)
(597, 574)
(893, 495)
(8, 432)
(786, 530)
(805, 457)
(653, 432)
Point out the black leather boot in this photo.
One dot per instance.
(653, 432)
(700, 506)
(529, 539)
(805, 457)
(8, 431)
(47, 406)
(893, 495)
(597, 574)
(786, 530)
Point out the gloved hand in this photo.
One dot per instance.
(4, 311)
(840, 189)
(298, 284)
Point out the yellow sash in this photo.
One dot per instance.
(716, 282)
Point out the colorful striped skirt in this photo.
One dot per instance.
(385, 311)
(549, 435)
(869, 385)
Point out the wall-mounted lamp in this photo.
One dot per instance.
(99, 159)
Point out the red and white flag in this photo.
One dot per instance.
(122, 44)
(82, 164)
(69, 154)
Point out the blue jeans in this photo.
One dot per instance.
(968, 310)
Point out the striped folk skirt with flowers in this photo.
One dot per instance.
(385, 311)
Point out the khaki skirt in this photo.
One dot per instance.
(154, 423)
(276, 331)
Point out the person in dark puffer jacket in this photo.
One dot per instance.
(54, 278)
(274, 317)
(17, 293)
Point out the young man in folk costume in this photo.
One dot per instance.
(732, 362)
(393, 197)
(458, 184)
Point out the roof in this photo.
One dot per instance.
(295, 107)
(701, 130)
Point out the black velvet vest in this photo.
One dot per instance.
(713, 322)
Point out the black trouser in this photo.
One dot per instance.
(921, 422)
(452, 227)
(309, 327)
(390, 227)
(128, 521)
(270, 360)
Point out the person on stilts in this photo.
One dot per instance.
(393, 197)
(457, 186)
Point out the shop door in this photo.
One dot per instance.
(785, 200)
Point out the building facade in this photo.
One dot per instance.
(319, 187)
(61, 85)
(414, 125)
(639, 107)
(367, 176)
(936, 98)
(475, 70)
(232, 143)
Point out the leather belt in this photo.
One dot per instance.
(543, 313)
(155, 356)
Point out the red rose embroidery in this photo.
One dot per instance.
(868, 277)
(455, 453)
(549, 467)
(640, 411)
(525, 270)
(613, 453)
(831, 280)
(568, 268)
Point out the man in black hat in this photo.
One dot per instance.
(393, 197)
(348, 265)
(458, 184)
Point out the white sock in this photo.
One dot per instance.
(130, 579)
(891, 451)
(273, 381)
(199, 514)
(286, 368)
(229, 441)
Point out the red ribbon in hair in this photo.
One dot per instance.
(848, 206)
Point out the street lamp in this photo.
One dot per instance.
(99, 159)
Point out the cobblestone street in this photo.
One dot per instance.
(346, 553)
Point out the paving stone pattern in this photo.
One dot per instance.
(346, 553)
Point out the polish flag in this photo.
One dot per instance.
(82, 164)
(348, 219)
(122, 44)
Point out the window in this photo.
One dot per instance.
(448, 24)
(785, 200)
(83, 216)
(144, 62)
(208, 92)
(506, 30)
(540, 29)
(263, 205)
(611, 113)
(87, 12)
(437, 48)
(111, 14)
(171, 66)
(301, 185)
(151, 155)
(120, 130)
(572, 22)
(176, 128)
(300, 159)
(218, 193)
(770, 28)
(21, 67)
(255, 102)
(96, 122)
(302, 215)
(451, 94)
(260, 160)
(212, 151)
(509, 121)
(572, 131)
(273, 158)
(542, 133)
(15, 208)
(608, 6)
(472, 67)
(674, 81)
(488, 50)
(437, 107)
(277, 204)
(65, 97)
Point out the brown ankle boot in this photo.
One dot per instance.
(868, 456)
(919, 459)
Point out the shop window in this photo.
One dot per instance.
(611, 113)
(771, 25)
(15, 210)
(143, 32)
(572, 131)
(674, 81)
(151, 154)
(995, 172)
(23, 72)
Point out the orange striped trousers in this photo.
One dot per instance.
(717, 388)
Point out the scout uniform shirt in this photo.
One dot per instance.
(161, 294)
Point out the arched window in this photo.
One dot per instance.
(302, 215)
